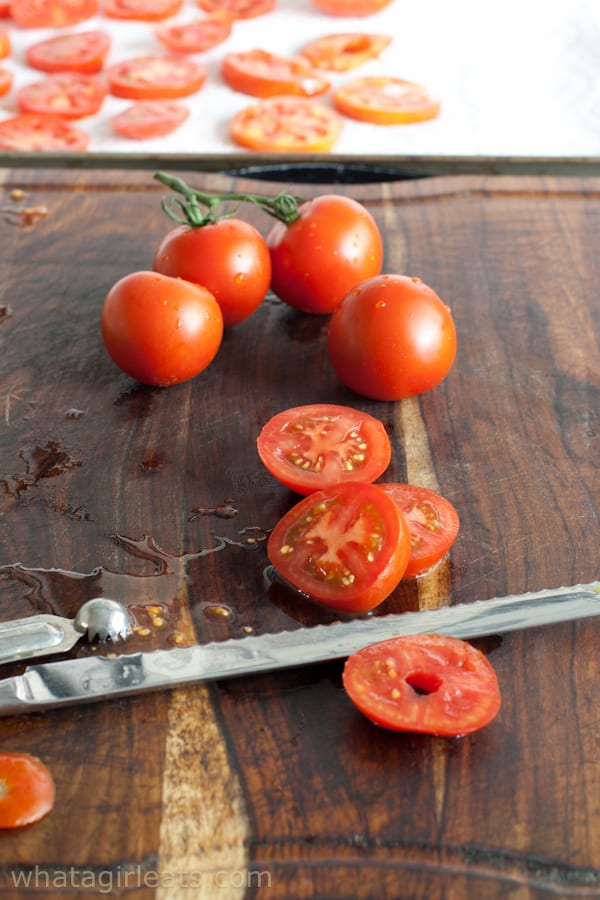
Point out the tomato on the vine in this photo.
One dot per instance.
(26, 790)
(428, 683)
(392, 337)
(229, 257)
(432, 521)
(345, 546)
(333, 245)
(160, 330)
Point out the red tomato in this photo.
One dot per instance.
(196, 37)
(427, 683)
(264, 74)
(84, 51)
(238, 9)
(351, 7)
(52, 13)
(155, 78)
(30, 132)
(392, 337)
(5, 45)
(382, 100)
(308, 448)
(286, 125)
(69, 95)
(160, 330)
(6, 81)
(330, 248)
(4, 9)
(26, 790)
(432, 521)
(346, 546)
(141, 10)
(147, 119)
(340, 52)
(228, 257)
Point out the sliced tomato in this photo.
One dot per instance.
(346, 546)
(428, 683)
(69, 95)
(52, 13)
(5, 45)
(238, 9)
(84, 52)
(264, 74)
(142, 10)
(432, 521)
(311, 447)
(4, 9)
(340, 52)
(155, 78)
(358, 8)
(26, 790)
(286, 125)
(6, 81)
(29, 132)
(382, 100)
(149, 119)
(196, 37)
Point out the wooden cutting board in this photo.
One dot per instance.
(275, 786)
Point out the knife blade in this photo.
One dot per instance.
(82, 680)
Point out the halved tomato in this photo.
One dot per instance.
(196, 37)
(308, 448)
(264, 74)
(83, 51)
(29, 132)
(382, 100)
(149, 119)
(52, 13)
(286, 125)
(432, 521)
(155, 78)
(238, 9)
(346, 546)
(340, 52)
(428, 683)
(26, 790)
(69, 95)
(142, 10)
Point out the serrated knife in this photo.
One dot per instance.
(89, 679)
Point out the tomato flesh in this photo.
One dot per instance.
(155, 78)
(141, 10)
(70, 95)
(52, 13)
(238, 9)
(286, 125)
(350, 7)
(29, 132)
(26, 790)
(346, 547)
(382, 100)
(340, 52)
(428, 683)
(308, 448)
(263, 74)
(196, 37)
(147, 119)
(84, 52)
(432, 521)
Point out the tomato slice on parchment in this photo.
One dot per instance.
(432, 521)
(5, 45)
(29, 132)
(286, 125)
(383, 100)
(6, 81)
(148, 119)
(52, 13)
(428, 683)
(142, 10)
(196, 37)
(358, 8)
(340, 52)
(308, 448)
(70, 95)
(264, 74)
(155, 78)
(26, 790)
(83, 52)
(346, 547)
(238, 9)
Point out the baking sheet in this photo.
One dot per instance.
(520, 80)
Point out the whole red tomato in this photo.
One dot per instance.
(392, 337)
(333, 245)
(228, 257)
(161, 330)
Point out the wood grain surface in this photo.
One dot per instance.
(275, 786)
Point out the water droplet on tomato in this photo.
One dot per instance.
(380, 304)
(239, 277)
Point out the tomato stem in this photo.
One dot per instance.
(282, 206)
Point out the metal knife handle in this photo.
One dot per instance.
(35, 636)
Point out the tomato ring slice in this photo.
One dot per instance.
(263, 74)
(69, 95)
(238, 9)
(52, 13)
(432, 521)
(155, 78)
(141, 10)
(29, 132)
(84, 52)
(286, 125)
(382, 100)
(340, 52)
(196, 37)
(147, 119)
(26, 790)
(359, 8)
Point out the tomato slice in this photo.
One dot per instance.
(29, 132)
(350, 7)
(149, 119)
(286, 125)
(432, 521)
(340, 52)
(264, 74)
(83, 52)
(308, 448)
(26, 790)
(142, 10)
(69, 95)
(5, 45)
(4, 9)
(383, 100)
(428, 683)
(6, 81)
(238, 9)
(52, 13)
(346, 546)
(155, 78)
(196, 37)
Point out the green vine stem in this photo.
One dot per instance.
(198, 208)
